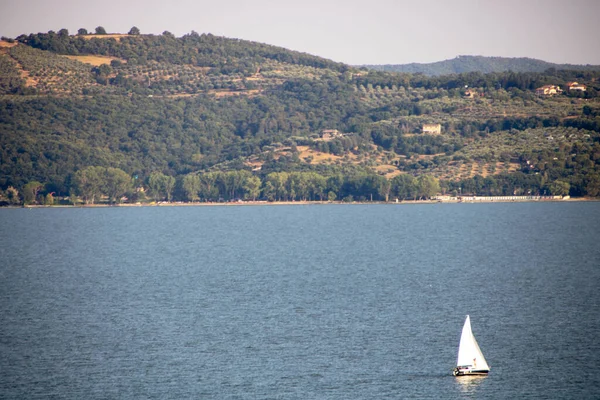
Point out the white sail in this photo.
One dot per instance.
(469, 353)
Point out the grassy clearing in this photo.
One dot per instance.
(317, 157)
(4, 43)
(116, 36)
(94, 60)
(389, 171)
(225, 93)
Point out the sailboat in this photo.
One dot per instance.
(470, 358)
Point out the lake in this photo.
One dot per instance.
(299, 302)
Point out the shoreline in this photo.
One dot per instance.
(304, 203)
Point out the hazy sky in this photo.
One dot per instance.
(350, 31)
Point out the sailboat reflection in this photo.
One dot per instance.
(469, 383)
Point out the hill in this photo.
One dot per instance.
(203, 117)
(463, 64)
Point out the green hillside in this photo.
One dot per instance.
(200, 117)
(463, 64)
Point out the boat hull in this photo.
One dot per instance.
(469, 372)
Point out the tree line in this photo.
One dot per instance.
(93, 185)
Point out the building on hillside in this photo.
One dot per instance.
(548, 90)
(574, 86)
(329, 134)
(432, 129)
(471, 94)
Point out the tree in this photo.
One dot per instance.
(191, 186)
(12, 195)
(334, 183)
(117, 183)
(102, 73)
(208, 186)
(73, 199)
(402, 186)
(278, 182)
(49, 199)
(559, 188)
(316, 185)
(592, 187)
(269, 191)
(384, 187)
(82, 31)
(100, 30)
(252, 188)
(233, 183)
(88, 183)
(156, 185)
(427, 186)
(134, 31)
(298, 185)
(169, 186)
(30, 192)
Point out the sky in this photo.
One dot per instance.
(355, 32)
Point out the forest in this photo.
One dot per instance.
(91, 118)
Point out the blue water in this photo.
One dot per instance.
(299, 302)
